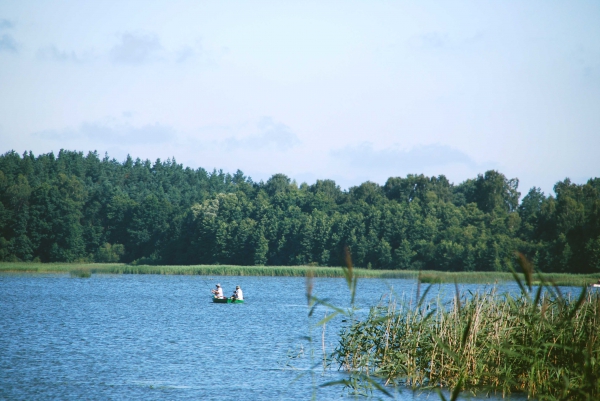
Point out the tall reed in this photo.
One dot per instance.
(539, 342)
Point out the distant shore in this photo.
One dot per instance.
(428, 276)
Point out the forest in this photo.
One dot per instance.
(73, 207)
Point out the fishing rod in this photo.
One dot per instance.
(205, 283)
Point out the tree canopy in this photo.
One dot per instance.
(76, 207)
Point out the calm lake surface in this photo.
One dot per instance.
(126, 337)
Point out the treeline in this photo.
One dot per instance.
(76, 207)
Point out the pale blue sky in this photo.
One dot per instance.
(348, 90)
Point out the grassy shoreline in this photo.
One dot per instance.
(429, 276)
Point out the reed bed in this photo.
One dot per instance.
(222, 270)
(289, 271)
(559, 279)
(81, 273)
(542, 344)
(225, 270)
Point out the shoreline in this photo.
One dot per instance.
(426, 276)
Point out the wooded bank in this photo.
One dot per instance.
(73, 207)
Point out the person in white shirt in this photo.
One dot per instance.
(238, 294)
(218, 292)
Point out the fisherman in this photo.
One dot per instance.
(238, 294)
(218, 292)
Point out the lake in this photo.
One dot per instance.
(113, 337)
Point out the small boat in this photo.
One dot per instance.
(227, 301)
(595, 285)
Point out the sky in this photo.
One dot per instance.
(352, 91)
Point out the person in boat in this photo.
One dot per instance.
(218, 291)
(238, 294)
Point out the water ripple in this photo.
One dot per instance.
(160, 337)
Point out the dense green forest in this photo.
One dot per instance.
(76, 207)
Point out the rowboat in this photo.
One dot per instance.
(227, 301)
(595, 285)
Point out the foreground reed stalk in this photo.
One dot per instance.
(547, 347)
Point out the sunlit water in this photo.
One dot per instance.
(114, 337)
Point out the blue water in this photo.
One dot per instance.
(134, 337)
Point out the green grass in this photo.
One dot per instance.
(223, 270)
(560, 279)
(429, 276)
